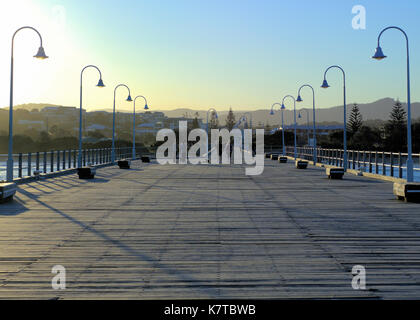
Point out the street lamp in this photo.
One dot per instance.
(113, 119)
(325, 85)
(294, 108)
(307, 120)
(146, 107)
(299, 99)
(40, 55)
(379, 55)
(282, 107)
(100, 85)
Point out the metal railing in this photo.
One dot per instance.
(379, 162)
(32, 164)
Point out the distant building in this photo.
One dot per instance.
(33, 124)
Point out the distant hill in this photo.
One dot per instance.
(372, 112)
(378, 110)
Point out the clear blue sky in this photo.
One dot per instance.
(245, 54)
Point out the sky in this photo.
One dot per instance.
(243, 54)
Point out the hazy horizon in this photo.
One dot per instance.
(185, 54)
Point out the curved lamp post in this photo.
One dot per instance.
(307, 119)
(282, 107)
(208, 112)
(113, 119)
(146, 107)
(248, 116)
(379, 55)
(40, 55)
(325, 85)
(207, 126)
(100, 85)
(294, 110)
(299, 99)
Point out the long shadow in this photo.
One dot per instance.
(213, 292)
(174, 189)
(12, 208)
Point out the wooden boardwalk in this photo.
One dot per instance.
(209, 232)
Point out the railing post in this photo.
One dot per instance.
(20, 166)
(58, 160)
(383, 164)
(37, 161)
(45, 161)
(29, 164)
(370, 161)
(74, 159)
(391, 160)
(64, 159)
(400, 169)
(84, 157)
(69, 159)
(52, 160)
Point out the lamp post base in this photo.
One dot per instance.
(9, 174)
(410, 167)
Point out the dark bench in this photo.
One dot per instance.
(145, 159)
(86, 172)
(7, 191)
(282, 159)
(301, 164)
(274, 156)
(124, 164)
(407, 191)
(268, 155)
(335, 173)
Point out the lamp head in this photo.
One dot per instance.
(100, 84)
(41, 54)
(283, 106)
(217, 116)
(299, 99)
(300, 116)
(271, 112)
(129, 98)
(379, 55)
(146, 107)
(325, 84)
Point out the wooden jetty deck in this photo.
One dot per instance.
(185, 231)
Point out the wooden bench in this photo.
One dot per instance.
(301, 164)
(86, 172)
(7, 191)
(335, 173)
(145, 159)
(124, 164)
(407, 191)
(282, 159)
(274, 156)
